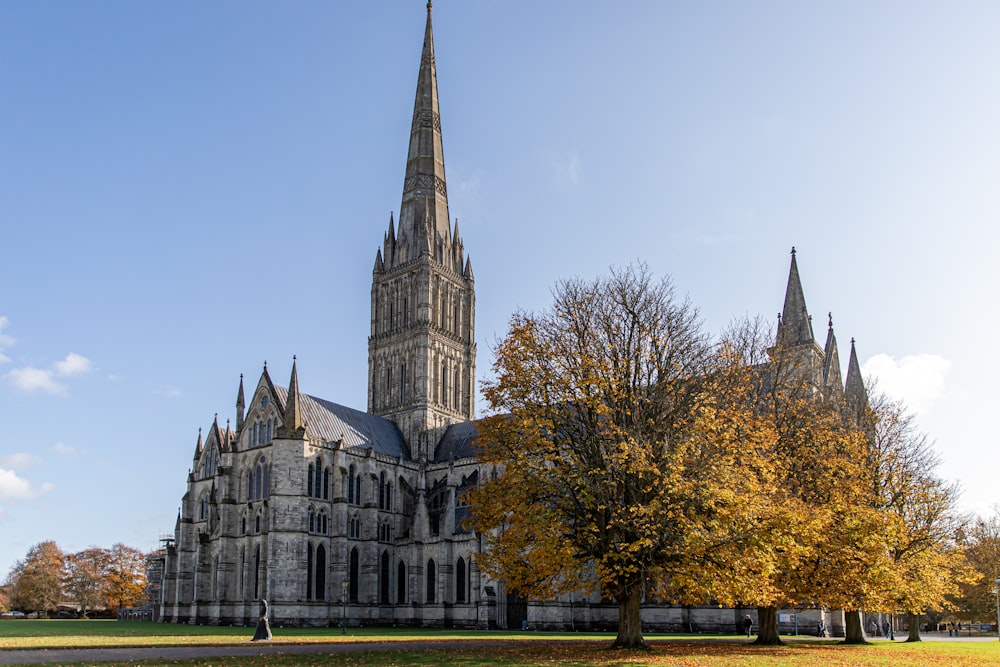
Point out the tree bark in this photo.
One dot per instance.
(914, 632)
(630, 618)
(767, 633)
(853, 634)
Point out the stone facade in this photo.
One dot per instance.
(333, 514)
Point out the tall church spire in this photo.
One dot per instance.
(424, 184)
(422, 349)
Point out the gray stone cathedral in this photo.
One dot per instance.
(336, 515)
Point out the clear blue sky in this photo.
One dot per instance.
(188, 189)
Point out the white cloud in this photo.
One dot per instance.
(566, 169)
(32, 379)
(19, 461)
(5, 340)
(36, 379)
(13, 487)
(63, 449)
(73, 364)
(169, 392)
(916, 379)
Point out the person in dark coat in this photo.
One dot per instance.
(748, 625)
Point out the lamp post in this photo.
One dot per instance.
(996, 592)
(343, 599)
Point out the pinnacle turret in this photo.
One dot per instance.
(855, 394)
(292, 424)
(832, 380)
(795, 325)
(240, 406)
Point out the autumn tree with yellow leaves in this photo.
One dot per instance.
(980, 542)
(816, 540)
(920, 508)
(604, 480)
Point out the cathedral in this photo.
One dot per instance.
(334, 515)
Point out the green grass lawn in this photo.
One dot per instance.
(542, 649)
(101, 633)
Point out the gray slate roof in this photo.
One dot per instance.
(332, 421)
(458, 442)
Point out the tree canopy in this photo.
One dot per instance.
(634, 457)
(37, 579)
(602, 481)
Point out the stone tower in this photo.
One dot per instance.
(422, 350)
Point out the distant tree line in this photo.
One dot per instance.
(91, 579)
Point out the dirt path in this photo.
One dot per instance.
(130, 654)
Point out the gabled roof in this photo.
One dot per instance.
(332, 422)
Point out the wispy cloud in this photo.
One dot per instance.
(5, 340)
(19, 461)
(916, 379)
(31, 379)
(62, 449)
(566, 169)
(168, 391)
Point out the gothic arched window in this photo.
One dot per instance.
(402, 383)
(460, 580)
(444, 384)
(310, 570)
(353, 575)
(309, 481)
(431, 581)
(256, 570)
(320, 572)
(383, 579)
(401, 583)
(242, 574)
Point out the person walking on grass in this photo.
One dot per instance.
(748, 625)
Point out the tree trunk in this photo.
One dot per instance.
(914, 621)
(630, 617)
(767, 633)
(853, 634)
